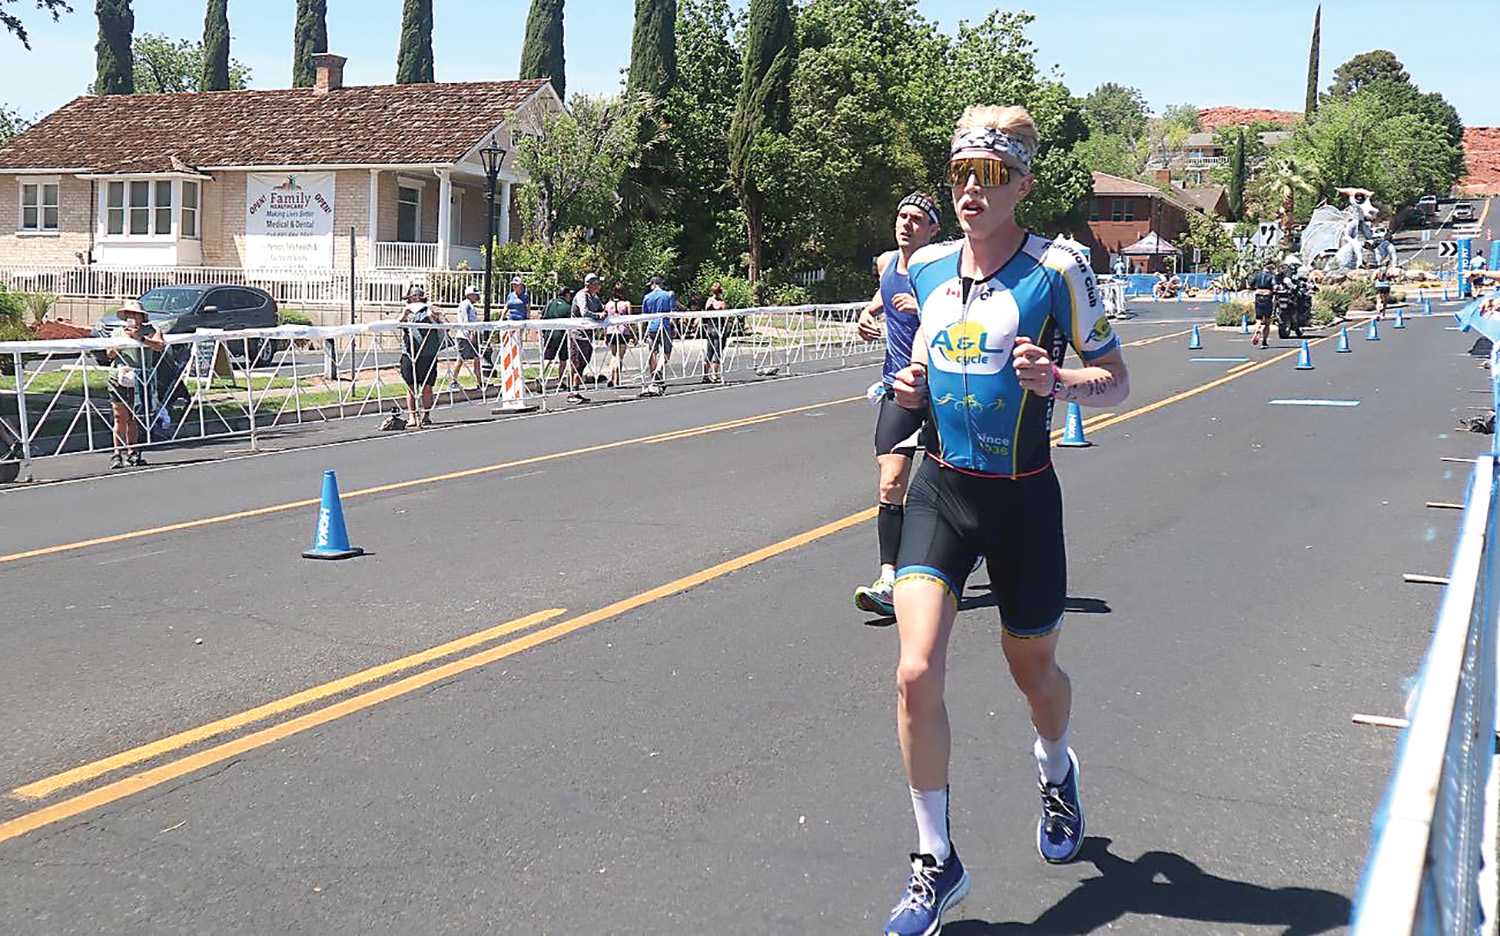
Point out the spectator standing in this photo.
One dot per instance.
(467, 314)
(587, 305)
(419, 355)
(552, 340)
(715, 329)
(517, 304)
(127, 383)
(616, 334)
(659, 333)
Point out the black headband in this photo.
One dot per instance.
(923, 202)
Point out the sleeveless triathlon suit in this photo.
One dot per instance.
(896, 428)
(988, 475)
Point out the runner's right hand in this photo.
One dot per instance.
(910, 386)
(869, 326)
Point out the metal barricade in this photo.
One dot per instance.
(1423, 872)
(61, 398)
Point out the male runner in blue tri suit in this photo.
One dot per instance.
(998, 310)
(896, 427)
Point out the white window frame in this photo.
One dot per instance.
(196, 210)
(40, 183)
(420, 187)
(152, 235)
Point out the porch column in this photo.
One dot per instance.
(372, 229)
(445, 216)
(503, 229)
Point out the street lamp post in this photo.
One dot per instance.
(492, 155)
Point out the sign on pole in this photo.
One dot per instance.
(1448, 249)
(1465, 253)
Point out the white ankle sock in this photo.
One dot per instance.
(1052, 758)
(931, 808)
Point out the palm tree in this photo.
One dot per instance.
(1281, 181)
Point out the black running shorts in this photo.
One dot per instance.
(1016, 524)
(896, 428)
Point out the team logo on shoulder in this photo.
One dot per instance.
(1101, 332)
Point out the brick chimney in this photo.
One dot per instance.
(330, 72)
(1161, 175)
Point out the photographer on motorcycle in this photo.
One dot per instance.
(1263, 283)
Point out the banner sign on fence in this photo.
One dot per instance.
(289, 220)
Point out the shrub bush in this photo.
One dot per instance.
(1229, 313)
(294, 317)
(12, 305)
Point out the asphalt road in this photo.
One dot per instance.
(718, 755)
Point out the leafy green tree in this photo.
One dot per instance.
(1116, 110)
(761, 115)
(414, 59)
(698, 111)
(575, 160)
(1184, 116)
(113, 73)
(162, 65)
(1239, 174)
(1111, 153)
(1367, 67)
(1311, 106)
(12, 124)
(309, 37)
(1211, 238)
(653, 48)
(214, 75)
(542, 53)
(13, 25)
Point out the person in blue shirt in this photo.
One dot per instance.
(998, 311)
(896, 427)
(517, 304)
(659, 334)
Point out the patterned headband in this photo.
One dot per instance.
(995, 141)
(921, 201)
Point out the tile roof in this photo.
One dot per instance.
(1106, 184)
(416, 124)
(1205, 198)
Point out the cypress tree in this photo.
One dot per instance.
(216, 47)
(1237, 176)
(653, 48)
(414, 61)
(542, 53)
(310, 36)
(1312, 65)
(114, 63)
(763, 106)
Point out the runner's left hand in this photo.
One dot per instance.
(1033, 367)
(905, 302)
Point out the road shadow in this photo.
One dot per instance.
(1168, 885)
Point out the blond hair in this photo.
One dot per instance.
(1014, 120)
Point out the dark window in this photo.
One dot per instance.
(221, 299)
(408, 210)
(1095, 212)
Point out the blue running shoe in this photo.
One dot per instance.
(877, 598)
(1059, 833)
(932, 889)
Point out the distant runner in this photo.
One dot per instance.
(998, 312)
(896, 427)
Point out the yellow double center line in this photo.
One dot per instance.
(174, 769)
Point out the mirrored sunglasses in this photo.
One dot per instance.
(991, 173)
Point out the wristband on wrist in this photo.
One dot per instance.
(1056, 380)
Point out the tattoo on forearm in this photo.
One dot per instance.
(1086, 390)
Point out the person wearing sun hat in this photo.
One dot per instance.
(463, 338)
(997, 312)
(127, 382)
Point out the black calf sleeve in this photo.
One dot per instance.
(888, 528)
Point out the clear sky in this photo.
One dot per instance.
(1205, 52)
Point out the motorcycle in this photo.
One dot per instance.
(1291, 303)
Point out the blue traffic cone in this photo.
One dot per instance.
(1343, 345)
(1426, 306)
(1304, 357)
(1195, 343)
(1445, 292)
(1372, 333)
(1400, 320)
(1073, 429)
(331, 541)
(1244, 324)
